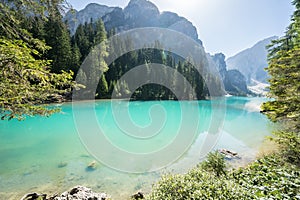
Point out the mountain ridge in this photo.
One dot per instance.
(252, 61)
(137, 14)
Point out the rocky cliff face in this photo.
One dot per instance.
(141, 13)
(251, 62)
(92, 11)
(219, 60)
(233, 80)
(137, 14)
(235, 83)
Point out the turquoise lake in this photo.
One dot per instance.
(50, 155)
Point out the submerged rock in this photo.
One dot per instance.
(91, 166)
(62, 164)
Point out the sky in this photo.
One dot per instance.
(227, 26)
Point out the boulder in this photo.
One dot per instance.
(138, 196)
(80, 193)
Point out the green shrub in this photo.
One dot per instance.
(290, 145)
(270, 178)
(197, 184)
(215, 163)
(266, 178)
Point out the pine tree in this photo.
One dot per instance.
(284, 65)
(58, 38)
(75, 59)
(25, 79)
(81, 39)
(102, 90)
(99, 33)
(36, 27)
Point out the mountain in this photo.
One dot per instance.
(143, 13)
(234, 81)
(252, 62)
(92, 11)
(137, 14)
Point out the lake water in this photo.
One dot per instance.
(47, 155)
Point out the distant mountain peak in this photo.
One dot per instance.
(91, 11)
(266, 41)
(141, 3)
(252, 62)
(141, 8)
(93, 5)
(261, 45)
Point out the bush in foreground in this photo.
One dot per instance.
(267, 178)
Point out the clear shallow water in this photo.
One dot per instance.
(46, 154)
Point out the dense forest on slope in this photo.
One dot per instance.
(112, 73)
(89, 36)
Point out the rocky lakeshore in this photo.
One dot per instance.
(76, 193)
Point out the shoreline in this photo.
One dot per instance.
(91, 192)
(166, 100)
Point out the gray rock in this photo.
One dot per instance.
(219, 60)
(34, 196)
(141, 13)
(235, 83)
(92, 11)
(80, 193)
(186, 27)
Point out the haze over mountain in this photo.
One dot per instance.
(252, 62)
